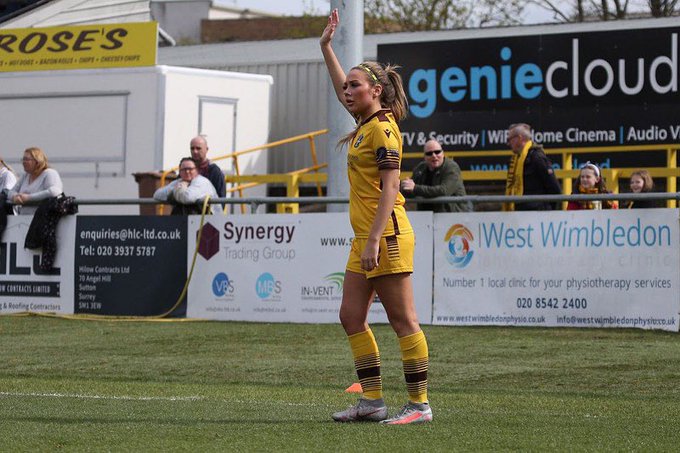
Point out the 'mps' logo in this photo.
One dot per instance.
(459, 238)
(267, 287)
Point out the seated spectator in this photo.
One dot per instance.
(184, 193)
(590, 182)
(7, 177)
(641, 182)
(7, 181)
(436, 176)
(39, 182)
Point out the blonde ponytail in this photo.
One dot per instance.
(396, 100)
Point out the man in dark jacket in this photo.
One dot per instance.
(199, 151)
(436, 176)
(530, 171)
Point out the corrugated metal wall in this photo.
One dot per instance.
(298, 106)
(299, 94)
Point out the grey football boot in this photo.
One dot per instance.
(364, 411)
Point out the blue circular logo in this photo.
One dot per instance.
(220, 284)
(264, 286)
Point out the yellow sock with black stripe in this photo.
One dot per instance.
(415, 357)
(367, 363)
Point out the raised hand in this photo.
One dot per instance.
(329, 31)
(329, 57)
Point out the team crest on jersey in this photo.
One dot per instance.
(388, 132)
(359, 140)
(381, 154)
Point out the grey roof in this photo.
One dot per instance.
(77, 12)
(307, 50)
(12, 9)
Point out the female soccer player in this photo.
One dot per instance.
(381, 257)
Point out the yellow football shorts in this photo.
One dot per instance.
(395, 255)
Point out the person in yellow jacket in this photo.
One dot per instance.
(530, 171)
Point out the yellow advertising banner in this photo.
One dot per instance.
(79, 47)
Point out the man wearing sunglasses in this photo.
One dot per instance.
(436, 176)
(186, 192)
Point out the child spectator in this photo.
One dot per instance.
(641, 182)
(590, 182)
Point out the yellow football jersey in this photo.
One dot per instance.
(377, 145)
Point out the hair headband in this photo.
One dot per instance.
(370, 72)
(595, 168)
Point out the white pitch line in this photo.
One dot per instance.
(104, 397)
(148, 398)
(447, 410)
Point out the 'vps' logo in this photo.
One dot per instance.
(221, 285)
(458, 239)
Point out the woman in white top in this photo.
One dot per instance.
(7, 176)
(39, 181)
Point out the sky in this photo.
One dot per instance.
(297, 7)
(283, 7)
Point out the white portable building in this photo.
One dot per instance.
(99, 126)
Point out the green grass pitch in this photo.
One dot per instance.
(224, 386)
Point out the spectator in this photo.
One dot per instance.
(530, 171)
(39, 182)
(590, 182)
(7, 181)
(641, 182)
(7, 177)
(436, 176)
(184, 193)
(199, 151)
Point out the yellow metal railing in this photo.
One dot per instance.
(612, 175)
(566, 174)
(291, 179)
